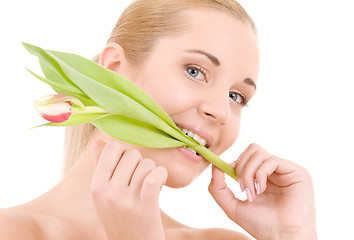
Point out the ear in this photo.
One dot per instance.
(112, 56)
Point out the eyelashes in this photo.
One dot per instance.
(198, 73)
(239, 98)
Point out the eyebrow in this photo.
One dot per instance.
(250, 82)
(212, 58)
(216, 61)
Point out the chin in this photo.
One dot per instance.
(179, 178)
(181, 174)
(181, 171)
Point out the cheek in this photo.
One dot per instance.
(174, 100)
(172, 92)
(229, 135)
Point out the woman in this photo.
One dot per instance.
(198, 59)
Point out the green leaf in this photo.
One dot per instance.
(133, 117)
(85, 100)
(66, 90)
(115, 102)
(112, 80)
(63, 87)
(50, 67)
(135, 132)
(102, 90)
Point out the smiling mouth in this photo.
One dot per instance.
(196, 137)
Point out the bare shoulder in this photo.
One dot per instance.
(220, 234)
(203, 234)
(178, 231)
(17, 226)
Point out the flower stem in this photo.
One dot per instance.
(90, 109)
(215, 160)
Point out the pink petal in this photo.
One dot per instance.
(57, 118)
(56, 112)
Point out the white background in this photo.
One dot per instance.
(303, 109)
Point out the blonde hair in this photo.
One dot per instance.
(140, 25)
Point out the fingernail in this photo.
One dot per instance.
(249, 195)
(258, 188)
(241, 185)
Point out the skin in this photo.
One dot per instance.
(113, 189)
(202, 101)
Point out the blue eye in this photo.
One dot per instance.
(236, 97)
(193, 72)
(196, 73)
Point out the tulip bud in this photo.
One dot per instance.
(55, 108)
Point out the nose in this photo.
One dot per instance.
(216, 108)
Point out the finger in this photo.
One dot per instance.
(152, 184)
(223, 196)
(97, 148)
(107, 163)
(248, 174)
(142, 170)
(264, 171)
(281, 172)
(242, 160)
(124, 171)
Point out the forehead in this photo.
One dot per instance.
(219, 33)
(218, 29)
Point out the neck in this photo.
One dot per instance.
(75, 188)
(71, 199)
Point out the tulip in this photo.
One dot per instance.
(58, 108)
(54, 108)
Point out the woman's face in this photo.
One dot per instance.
(202, 78)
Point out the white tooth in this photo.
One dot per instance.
(191, 134)
(202, 142)
(199, 139)
(196, 137)
(192, 150)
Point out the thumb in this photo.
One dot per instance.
(223, 196)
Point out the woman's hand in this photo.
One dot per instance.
(126, 190)
(280, 196)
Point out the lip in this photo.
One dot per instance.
(190, 155)
(197, 130)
